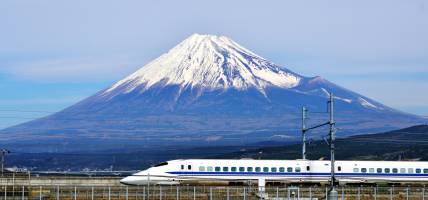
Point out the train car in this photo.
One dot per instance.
(262, 171)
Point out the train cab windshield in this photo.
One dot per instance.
(161, 164)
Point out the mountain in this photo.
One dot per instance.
(403, 144)
(206, 90)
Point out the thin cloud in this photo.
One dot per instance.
(41, 101)
(71, 70)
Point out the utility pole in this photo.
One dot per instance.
(333, 195)
(304, 133)
(3, 153)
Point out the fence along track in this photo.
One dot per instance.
(25, 192)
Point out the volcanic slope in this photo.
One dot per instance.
(208, 89)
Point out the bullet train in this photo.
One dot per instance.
(262, 171)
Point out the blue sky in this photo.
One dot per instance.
(55, 53)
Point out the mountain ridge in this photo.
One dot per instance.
(394, 145)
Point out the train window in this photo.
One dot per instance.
(297, 169)
(363, 170)
(371, 170)
(356, 170)
(273, 169)
(225, 169)
(387, 170)
(233, 169)
(410, 170)
(182, 167)
(217, 169)
(418, 171)
(201, 168)
(394, 170)
(402, 170)
(265, 169)
(189, 167)
(258, 169)
(161, 164)
(249, 169)
(308, 168)
(289, 169)
(339, 168)
(210, 169)
(425, 171)
(281, 169)
(242, 169)
(379, 170)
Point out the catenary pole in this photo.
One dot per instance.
(304, 133)
(3, 153)
(333, 195)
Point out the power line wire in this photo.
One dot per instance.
(27, 111)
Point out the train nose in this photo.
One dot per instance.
(131, 180)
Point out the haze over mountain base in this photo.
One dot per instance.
(394, 145)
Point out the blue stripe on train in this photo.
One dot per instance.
(293, 174)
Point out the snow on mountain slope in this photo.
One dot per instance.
(212, 63)
(207, 63)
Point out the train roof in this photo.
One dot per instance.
(300, 160)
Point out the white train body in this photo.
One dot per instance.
(176, 171)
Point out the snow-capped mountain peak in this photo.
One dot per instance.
(208, 62)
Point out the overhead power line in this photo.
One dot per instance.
(26, 111)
